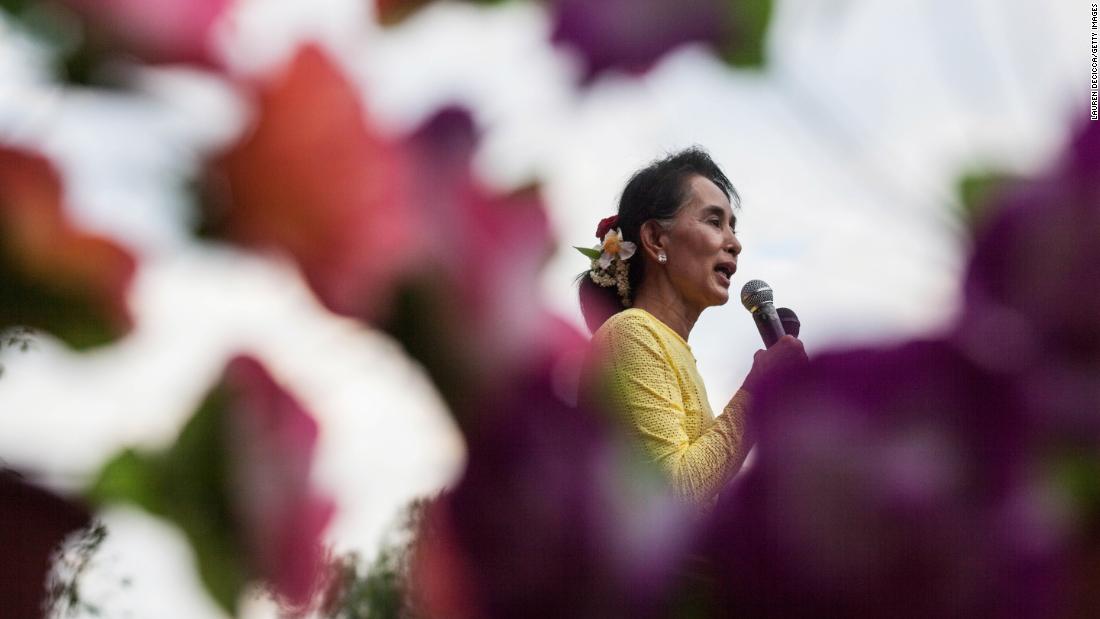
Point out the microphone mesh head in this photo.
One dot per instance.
(791, 324)
(755, 293)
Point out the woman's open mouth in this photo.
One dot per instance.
(725, 271)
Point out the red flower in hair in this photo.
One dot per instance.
(606, 224)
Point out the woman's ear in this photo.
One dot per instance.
(654, 237)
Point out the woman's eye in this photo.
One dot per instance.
(716, 223)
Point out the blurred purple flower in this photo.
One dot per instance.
(889, 483)
(946, 478)
(631, 35)
(1033, 289)
(1033, 313)
(554, 517)
(33, 523)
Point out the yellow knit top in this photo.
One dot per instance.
(655, 384)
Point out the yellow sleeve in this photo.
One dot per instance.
(646, 389)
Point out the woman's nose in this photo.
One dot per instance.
(733, 245)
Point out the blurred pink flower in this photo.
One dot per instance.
(158, 31)
(315, 180)
(237, 483)
(472, 304)
(54, 276)
(271, 441)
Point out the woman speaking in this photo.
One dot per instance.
(668, 254)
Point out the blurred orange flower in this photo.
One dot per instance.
(54, 276)
(393, 231)
(314, 179)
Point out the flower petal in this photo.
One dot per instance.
(53, 275)
(273, 439)
(606, 41)
(626, 250)
(469, 309)
(337, 206)
(237, 482)
(159, 31)
(607, 223)
(605, 260)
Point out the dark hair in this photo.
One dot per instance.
(657, 191)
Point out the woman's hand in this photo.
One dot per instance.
(785, 353)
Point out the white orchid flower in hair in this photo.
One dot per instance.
(615, 247)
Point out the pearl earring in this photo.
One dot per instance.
(662, 258)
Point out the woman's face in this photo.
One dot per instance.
(702, 246)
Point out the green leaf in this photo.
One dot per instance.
(15, 7)
(71, 314)
(130, 477)
(189, 485)
(589, 252)
(976, 192)
(747, 29)
(1077, 474)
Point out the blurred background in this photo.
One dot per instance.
(848, 146)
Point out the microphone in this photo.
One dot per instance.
(789, 319)
(756, 296)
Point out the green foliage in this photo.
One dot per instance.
(380, 590)
(375, 591)
(418, 321)
(75, 59)
(1077, 475)
(66, 313)
(589, 252)
(976, 192)
(188, 485)
(748, 25)
(15, 7)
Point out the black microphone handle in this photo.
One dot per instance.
(768, 324)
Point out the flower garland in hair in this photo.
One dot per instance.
(609, 258)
